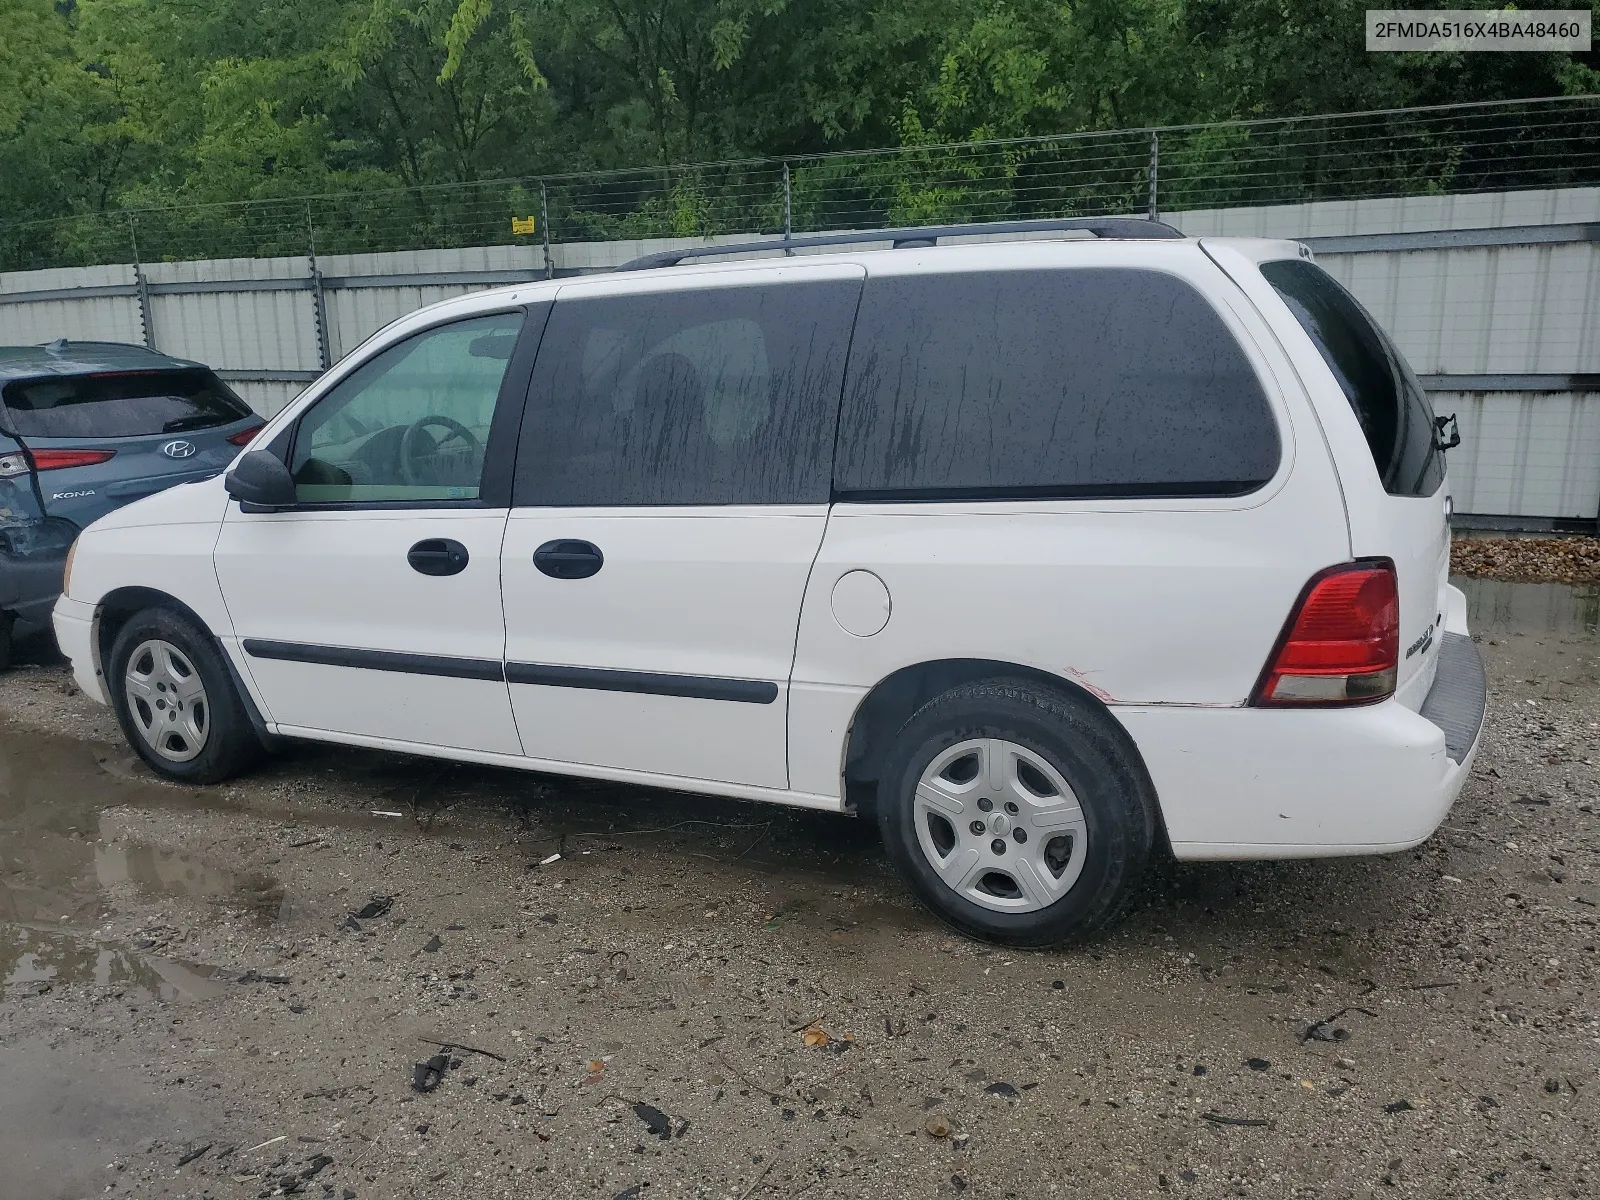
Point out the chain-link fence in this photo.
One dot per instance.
(1453, 148)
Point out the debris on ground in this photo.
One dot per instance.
(1257, 1064)
(655, 1120)
(1002, 1089)
(1570, 559)
(193, 1154)
(425, 1076)
(447, 1047)
(1327, 1029)
(374, 907)
(937, 1126)
(433, 946)
(1399, 1106)
(1247, 1122)
(254, 976)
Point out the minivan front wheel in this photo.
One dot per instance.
(176, 701)
(1017, 813)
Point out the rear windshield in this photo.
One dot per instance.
(113, 406)
(1388, 401)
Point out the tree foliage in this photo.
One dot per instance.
(109, 104)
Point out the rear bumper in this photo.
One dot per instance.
(74, 623)
(1261, 783)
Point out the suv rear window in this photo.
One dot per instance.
(127, 405)
(1065, 383)
(1393, 409)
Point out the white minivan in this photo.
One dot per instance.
(1039, 551)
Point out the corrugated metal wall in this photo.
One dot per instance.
(1495, 299)
(1530, 310)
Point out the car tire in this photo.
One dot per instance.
(1067, 811)
(176, 700)
(8, 624)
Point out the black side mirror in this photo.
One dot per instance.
(260, 482)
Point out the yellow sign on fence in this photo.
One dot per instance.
(522, 225)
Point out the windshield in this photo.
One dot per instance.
(135, 404)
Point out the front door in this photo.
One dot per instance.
(372, 609)
(671, 492)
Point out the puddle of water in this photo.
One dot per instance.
(39, 959)
(1550, 610)
(174, 873)
(57, 873)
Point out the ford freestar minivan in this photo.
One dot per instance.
(1038, 551)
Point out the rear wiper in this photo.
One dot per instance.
(188, 423)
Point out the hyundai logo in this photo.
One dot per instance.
(178, 449)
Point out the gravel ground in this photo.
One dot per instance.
(710, 999)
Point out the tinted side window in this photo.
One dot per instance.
(724, 396)
(1087, 382)
(110, 406)
(1388, 401)
(411, 423)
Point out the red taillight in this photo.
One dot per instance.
(1342, 642)
(242, 438)
(55, 460)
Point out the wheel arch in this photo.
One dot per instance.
(118, 606)
(894, 698)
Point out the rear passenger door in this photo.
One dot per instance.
(671, 492)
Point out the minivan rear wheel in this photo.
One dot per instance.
(176, 701)
(1016, 812)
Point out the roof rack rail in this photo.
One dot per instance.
(916, 235)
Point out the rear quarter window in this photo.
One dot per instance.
(1384, 394)
(1063, 383)
(129, 405)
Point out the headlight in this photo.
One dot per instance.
(66, 575)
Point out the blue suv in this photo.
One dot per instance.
(86, 427)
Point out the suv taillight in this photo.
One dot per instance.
(55, 460)
(1342, 641)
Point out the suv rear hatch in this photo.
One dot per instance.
(102, 440)
(1404, 513)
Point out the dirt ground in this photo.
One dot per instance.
(702, 998)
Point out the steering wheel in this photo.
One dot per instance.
(413, 450)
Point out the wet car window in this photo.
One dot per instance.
(135, 404)
(716, 396)
(1085, 382)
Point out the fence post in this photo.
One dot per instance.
(318, 303)
(544, 224)
(146, 328)
(1155, 163)
(788, 211)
